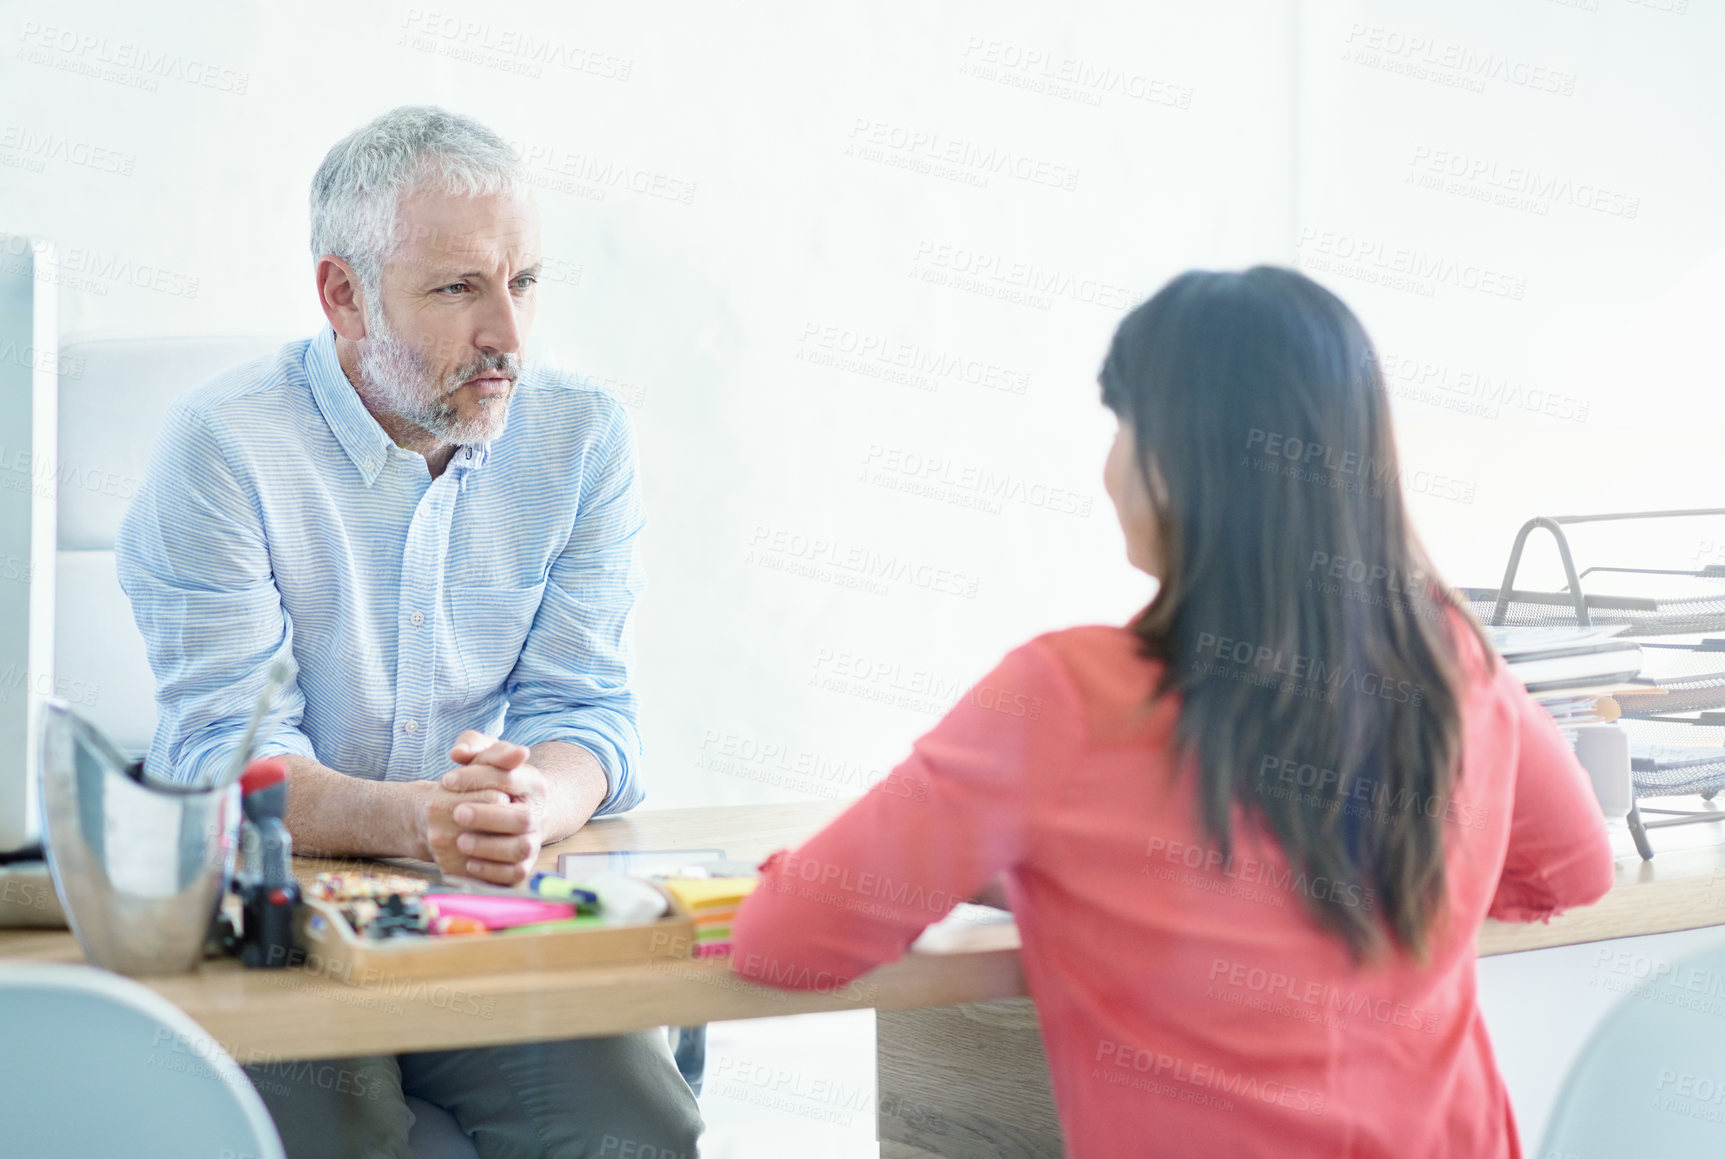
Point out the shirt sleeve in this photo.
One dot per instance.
(573, 679)
(954, 813)
(1559, 855)
(192, 557)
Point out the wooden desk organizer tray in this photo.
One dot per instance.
(332, 948)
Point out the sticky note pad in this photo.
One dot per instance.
(712, 902)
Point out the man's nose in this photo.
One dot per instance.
(501, 327)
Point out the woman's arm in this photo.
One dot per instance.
(1558, 855)
(956, 812)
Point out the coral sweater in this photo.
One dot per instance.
(1190, 1006)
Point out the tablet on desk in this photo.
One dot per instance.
(639, 862)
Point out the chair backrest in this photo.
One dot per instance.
(1651, 1079)
(113, 396)
(97, 1064)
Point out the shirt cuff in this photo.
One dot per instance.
(621, 793)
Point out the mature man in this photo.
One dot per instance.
(444, 543)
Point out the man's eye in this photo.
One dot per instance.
(526, 280)
(453, 286)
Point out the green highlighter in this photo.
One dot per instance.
(551, 887)
(582, 921)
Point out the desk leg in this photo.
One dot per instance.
(964, 1082)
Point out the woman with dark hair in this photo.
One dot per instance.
(1249, 837)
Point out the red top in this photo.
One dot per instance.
(261, 774)
(1190, 1007)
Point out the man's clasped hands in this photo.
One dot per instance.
(485, 818)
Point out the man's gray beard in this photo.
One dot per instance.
(398, 383)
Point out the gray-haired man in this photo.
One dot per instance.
(444, 543)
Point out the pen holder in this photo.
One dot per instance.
(140, 867)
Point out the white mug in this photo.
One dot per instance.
(1603, 750)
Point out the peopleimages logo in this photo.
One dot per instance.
(1401, 267)
(1512, 186)
(1471, 391)
(896, 467)
(104, 58)
(1068, 78)
(1247, 984)
(46, 145)
(1358, 571)
(871, 139)
(1448, 62)
(1122, 1058)
(852, 564)
(1205, 863)
(1290, 779)
(1274, 663)
(1308, 461)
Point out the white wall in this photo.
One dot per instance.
(763, 244)
(767, 242)
(1605, 116)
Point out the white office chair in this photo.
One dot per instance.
(114, 394)
(97, 1064)
(1651, 1079)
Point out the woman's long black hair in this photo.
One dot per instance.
(1298, 618)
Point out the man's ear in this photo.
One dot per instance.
(340, 295)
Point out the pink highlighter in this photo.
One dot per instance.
(499, 913)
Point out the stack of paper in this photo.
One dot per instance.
(1576, 674)
(712, 902)
(1563, 663)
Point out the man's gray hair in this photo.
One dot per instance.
(356, 195)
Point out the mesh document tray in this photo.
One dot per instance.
(1672, 757)
(1677, 735)
(1673, 697)
(1687, 615)
(1654, 777)
(1696, 607)
(1677, 727)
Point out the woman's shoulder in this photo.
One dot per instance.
(1095, 647)
(1106, 669)
(1476, 658)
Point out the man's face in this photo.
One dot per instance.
(443, 347)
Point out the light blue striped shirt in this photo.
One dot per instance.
(277, 518)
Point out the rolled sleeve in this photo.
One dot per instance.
(1559, 854)
(191, 557)
(573, 681)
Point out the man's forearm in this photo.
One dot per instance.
(576, 785)
(332, 813)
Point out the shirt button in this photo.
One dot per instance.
(410, 727)
(416, 619)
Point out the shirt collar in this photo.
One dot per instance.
(360, 435)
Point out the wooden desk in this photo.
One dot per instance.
(953, 1019)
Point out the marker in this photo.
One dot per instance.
(585, 921)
